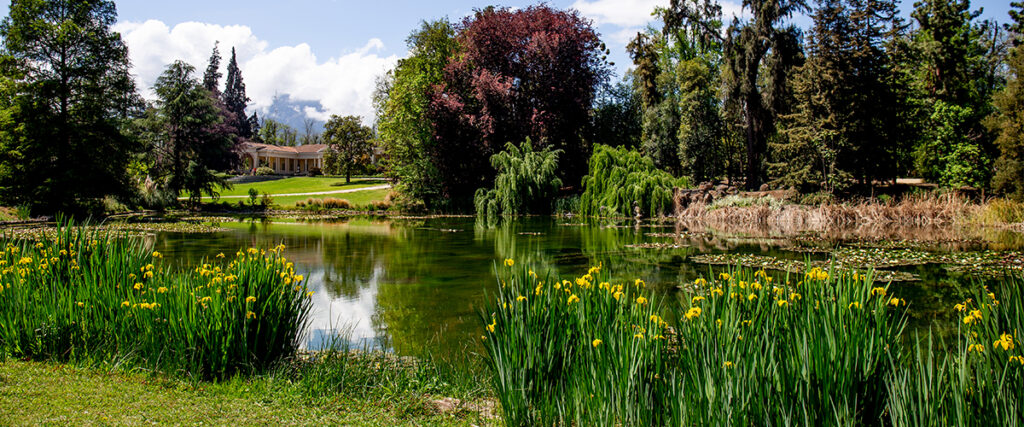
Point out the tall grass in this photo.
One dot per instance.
(86, 295)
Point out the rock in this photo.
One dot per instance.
(732, 190)
(706, 186)
(765, 187)
(721, 188)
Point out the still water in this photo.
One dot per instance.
(415, 286)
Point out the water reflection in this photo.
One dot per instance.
(416, 286)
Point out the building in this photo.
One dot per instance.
(283, 160)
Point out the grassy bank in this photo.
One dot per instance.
(299, 184)
(372, 390)
(821, 348)
(84, 295)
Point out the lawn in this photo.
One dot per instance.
(299, 184)
(358, 198)
(33, 393)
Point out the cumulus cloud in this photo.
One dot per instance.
(342, 85)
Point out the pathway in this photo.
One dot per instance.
(318, 193)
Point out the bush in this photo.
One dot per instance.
(314, 171)
(264, 171)
(88, 296)
(618, 178)
(526, 183)
(819, 198)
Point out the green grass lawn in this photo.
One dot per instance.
(34, 393)
(299, 184)
(358, 198)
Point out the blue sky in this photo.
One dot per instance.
(331, 51)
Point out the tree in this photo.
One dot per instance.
(1007, 122)
(759, 56)
(274, 132)
(310, 136)
(350, 141)
(846, 123)
(402, 100)
(211, 78)
(235, 99)
(616, 117)
(527, 182)
(191, 139)
(526, 73)
(68, 95)
(957, 67)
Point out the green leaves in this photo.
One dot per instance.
(620, 178)
(527, 182)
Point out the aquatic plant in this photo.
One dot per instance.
(86, 295)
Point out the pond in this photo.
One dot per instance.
(415, 286)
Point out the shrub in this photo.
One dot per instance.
(264, 171)
(618, 178)
(526, 183)
(314, 171)
(88, 296)
(332, 203)
(380, 205)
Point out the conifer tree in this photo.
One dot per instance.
(235, 99)
(1008, 120)
(211, 78)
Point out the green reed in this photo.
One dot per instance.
(86, 295)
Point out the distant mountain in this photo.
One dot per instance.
(294, 113)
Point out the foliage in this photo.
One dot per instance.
(527, 182)
(264, 171)
(88, 296)
(746, 349)
(951, 155)
(402, 101)
(274, 132)
(1007, 123)
(521, 73)
(616, 117)
(187, 136)
(683, 131)
(65, 95)
(620, 179)
(350, 142)
(235, 98)
(846, 123)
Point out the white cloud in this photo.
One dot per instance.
(343, 84)
(623, 13)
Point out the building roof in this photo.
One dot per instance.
(308, 148)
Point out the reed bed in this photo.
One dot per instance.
(87, 296)
(747, 348)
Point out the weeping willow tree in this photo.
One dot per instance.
(526, 183)
(619, 178)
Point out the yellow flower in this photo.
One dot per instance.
(877, 291)
(205, 300)
(853, 305)
(654, 318)
(298, 278)
(641, 300)
(727, 364)
(752, 297)
(157, 254)
(605, 285)
(960, 307)
(538, 289)
(253, 251)
(895, 302)
(125, 304)
(1005, 341)
(639, 283)
(782, 302)
(795, 296)
(147, 275)
(617, 295)
(980, 348)
(700, 282)
(596, 343)
(696, 299)
(161, 290)
(309, 294)
(138, 286)
(724, 276)
(1017, 359)
(250, 299)
(220, 255)
(572, 298)
(520, 298)
(250, 315)
(717, 292)
(80, 304)
(510, 262)
(490, 328)
(692, 313)
(718, 323)
(639, 336)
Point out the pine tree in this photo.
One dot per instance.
(211, 78)
(235, 99)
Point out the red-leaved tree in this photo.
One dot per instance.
(519, 74)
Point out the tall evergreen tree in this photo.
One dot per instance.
(955, 80)
(68, 92)
(235, 98)
(845, 124)
(1008, 120)
(211, 78)
(759, 56)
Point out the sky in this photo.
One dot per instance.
(331, 51)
